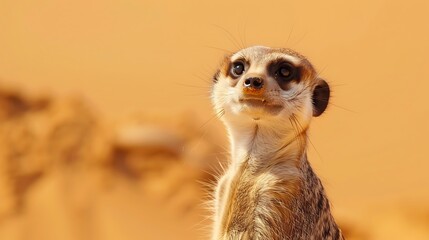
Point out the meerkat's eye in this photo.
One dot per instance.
(237, 68)
(286, 72)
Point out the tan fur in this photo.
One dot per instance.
(269, 191)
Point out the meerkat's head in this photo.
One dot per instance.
(269, 86)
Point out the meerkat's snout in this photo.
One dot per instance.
(253, 86)
(254, 83)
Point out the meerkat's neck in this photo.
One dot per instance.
(262, 145)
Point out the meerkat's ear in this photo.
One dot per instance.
(320, 97)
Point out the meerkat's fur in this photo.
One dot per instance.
(266, 98)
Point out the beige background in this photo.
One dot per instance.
(370, 147)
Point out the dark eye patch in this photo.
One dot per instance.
(237, 68)
(284, 72)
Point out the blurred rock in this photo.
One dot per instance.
(58, 160)
(38, 136)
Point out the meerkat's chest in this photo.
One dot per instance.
(249, 205)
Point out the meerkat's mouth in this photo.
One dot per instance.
(260, 104)
(253, 102)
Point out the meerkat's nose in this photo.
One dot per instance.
(254, 83)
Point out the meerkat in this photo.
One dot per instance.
(266, 97)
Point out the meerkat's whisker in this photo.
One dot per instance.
(220, 49)
(230, 36)
(192, 86)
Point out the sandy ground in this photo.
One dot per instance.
(83, 84)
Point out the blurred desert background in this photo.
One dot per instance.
(107, 131)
